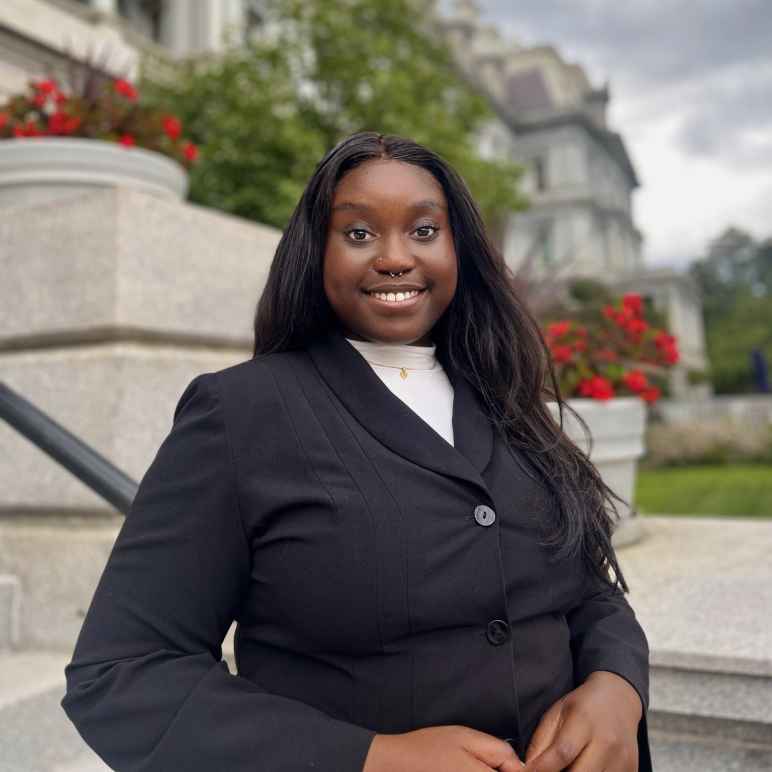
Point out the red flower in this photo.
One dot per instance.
(3, 119)
(671, 356)
(127, 140)
(637, 326)
(633, 302)
(45, 86)
(596, 387)
(61, 123)
(561, 353)
(651, 394)
(125, 89)
(635, 380)
(57, 122)
(40, 99)
(28, 129)
(172, 126)
(556, 329)
(580, 345)
(60, 99)
(190, 151)
(662, 339)
(609, 312)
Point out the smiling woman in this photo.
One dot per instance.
(417, 556)
(391, 216)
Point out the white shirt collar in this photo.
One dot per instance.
(397, 354)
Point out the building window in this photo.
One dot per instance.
(539, 166)
(546, 242)
(253, 18)
(143, 15)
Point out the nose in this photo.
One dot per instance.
(396, 256)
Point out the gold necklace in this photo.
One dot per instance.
(403, 371)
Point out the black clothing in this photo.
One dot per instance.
(382, 580)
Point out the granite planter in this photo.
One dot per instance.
(40, 170)
(617, 427)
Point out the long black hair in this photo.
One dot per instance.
(487, 333)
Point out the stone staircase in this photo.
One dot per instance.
(702, 588)
(710, 710)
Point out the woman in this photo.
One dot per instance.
(417, 557)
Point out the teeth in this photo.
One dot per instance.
(395, 297)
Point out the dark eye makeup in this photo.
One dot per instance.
(423, 237)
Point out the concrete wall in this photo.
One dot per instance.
(110, 304)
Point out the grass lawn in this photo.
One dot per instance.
(730, 491)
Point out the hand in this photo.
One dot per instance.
(593, 728)
(459, 748)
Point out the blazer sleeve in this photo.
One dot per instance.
(605, 635)
(146, 687)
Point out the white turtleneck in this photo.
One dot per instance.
(426, 390)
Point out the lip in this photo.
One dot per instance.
(404, 287)
(397, 304)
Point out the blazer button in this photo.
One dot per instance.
(484, 515)
(497, 632)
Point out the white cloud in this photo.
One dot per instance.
(690, 90)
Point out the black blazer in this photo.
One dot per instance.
(382, 580)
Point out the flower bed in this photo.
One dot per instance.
(104, 108)
(617, 352)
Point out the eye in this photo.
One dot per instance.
(359, 231)
(427, 236)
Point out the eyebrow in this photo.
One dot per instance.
(427, 203)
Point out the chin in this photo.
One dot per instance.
(404, 337)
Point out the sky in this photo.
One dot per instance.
(691, 94)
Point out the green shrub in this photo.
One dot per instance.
(720, 441)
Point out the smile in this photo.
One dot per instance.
(396, 298)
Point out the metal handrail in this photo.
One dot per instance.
(103, 477)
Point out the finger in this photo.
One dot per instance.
(545, 731)
(512, 764)
(609, 758)
(570, 740)
(496, 753)
(593, 758)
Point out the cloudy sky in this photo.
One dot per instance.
(691, 93)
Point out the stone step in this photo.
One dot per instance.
(672, 752)
(10, 611)
(727, 700)
(35, 733)
(57, 562)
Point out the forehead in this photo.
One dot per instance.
(389, 180)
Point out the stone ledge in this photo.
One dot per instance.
(119, 398)
(702, 590)
(121, 258)
(712, 695)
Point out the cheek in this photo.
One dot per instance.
(449, 273)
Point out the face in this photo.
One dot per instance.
(389, 216)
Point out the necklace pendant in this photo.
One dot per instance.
(403, 372)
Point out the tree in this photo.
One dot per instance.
(264, 113)
(735, 279)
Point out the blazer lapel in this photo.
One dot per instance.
(398, 427)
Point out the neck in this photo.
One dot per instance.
(403, 355)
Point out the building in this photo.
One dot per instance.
(550, 119)
(578, 176)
